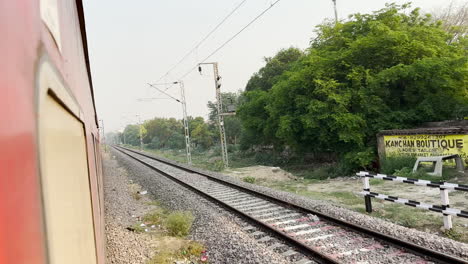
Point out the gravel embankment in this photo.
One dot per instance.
(218, 230)
(123, 246)
(427, 240)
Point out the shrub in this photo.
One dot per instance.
(390, 165)
(156, 217)
(179, 223)
(249, 179)
(268, 158)
(217, 165)
(357, 160)
(453, 234)
(404, 172)
(340, 169)
(232, 148)
(319, 173)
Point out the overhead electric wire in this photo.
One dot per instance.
(230, 39)
(227, 41)
(172, 97)
(203, 40)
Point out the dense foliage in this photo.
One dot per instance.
(394, 68)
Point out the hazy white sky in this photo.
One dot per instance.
(132, 43)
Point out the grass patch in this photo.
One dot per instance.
(153, 203)
(408, 216)
(447, 174)
(339, 197)
(199, 159)
(191, 251)
(403, 166)
(249, 179)
(179, 223)
(453, 234)
(176, 223)
(320, 173)
(136, 228)
(156, 217)
(399, 214)
(347, 198)
(376, 181)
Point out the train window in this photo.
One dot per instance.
(65, 179)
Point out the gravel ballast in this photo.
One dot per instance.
(217, 229)
(427, 240)
(123, 246)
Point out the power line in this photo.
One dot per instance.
(172, 97)
(203, 40)
(227, 41)
(230, 39)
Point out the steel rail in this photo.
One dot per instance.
(309, 251)
(415, 249)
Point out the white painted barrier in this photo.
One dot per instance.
(444, 187)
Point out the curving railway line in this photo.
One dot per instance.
(302, 235)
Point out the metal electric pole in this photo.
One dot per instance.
(219, 107)
(186, 123)
(184, 110)
(336, 12)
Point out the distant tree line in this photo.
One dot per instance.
(168, 133)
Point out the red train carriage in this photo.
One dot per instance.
(51, 206)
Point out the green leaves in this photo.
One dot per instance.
(388, 69)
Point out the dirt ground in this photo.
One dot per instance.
(458, 199)
(261, 173)
(345, 192)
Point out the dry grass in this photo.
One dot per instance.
(173, 249)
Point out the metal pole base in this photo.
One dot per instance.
(368, 202)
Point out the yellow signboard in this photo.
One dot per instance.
(426, 145)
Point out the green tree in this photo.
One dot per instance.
(201, 134)
(268, 75)
(164, 133)
(132, 135)
(232, 124)
(388, 69)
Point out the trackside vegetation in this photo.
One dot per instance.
(394, 68)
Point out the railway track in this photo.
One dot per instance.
(321, 238)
